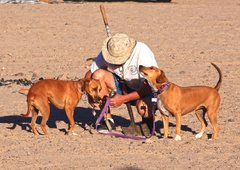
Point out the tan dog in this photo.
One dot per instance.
(181, 100)
(62, 94)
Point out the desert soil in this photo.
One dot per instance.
(54, 40)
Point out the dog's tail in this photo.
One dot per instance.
(30, 106)
(29, 110)
(23, 91)
(220, 76)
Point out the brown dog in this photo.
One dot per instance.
(62, 94)
(181, 100)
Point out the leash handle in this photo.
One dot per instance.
(112, 93)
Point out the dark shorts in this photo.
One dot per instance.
(128, 90)
(119, 87)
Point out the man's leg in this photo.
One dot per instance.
(144, 108)
(107, 82)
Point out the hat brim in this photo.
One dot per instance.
(118, 60)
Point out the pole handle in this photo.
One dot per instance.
(105, 20)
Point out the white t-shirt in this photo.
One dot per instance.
(129, 71)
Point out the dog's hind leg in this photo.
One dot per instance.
(212, 115)
(200, 113)
(33, 122)
(45, 110)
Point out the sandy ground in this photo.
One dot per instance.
(55, 40)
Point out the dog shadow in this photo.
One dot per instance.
(83, 117)
(16, 120)
(159, 125)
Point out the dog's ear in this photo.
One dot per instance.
(161, 78)
(83, 83)
(86, 83)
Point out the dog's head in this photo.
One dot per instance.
(92, 87)
(153, 75)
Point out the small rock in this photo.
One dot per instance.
(182, 72)
(60, 76)
(18, 74)
(34, 77)
(148, 141)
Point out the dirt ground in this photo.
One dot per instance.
(54, 40)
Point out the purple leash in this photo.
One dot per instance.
(103, 111)
(121, 135)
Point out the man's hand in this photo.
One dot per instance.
(117, 100)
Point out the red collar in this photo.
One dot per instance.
(163, 87)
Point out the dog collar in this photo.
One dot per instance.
(163, 87)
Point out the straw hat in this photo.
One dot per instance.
(118, 48)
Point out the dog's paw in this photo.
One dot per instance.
(199, 135)
(177, 138)
(72, 133)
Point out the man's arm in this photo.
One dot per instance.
(143, 91)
